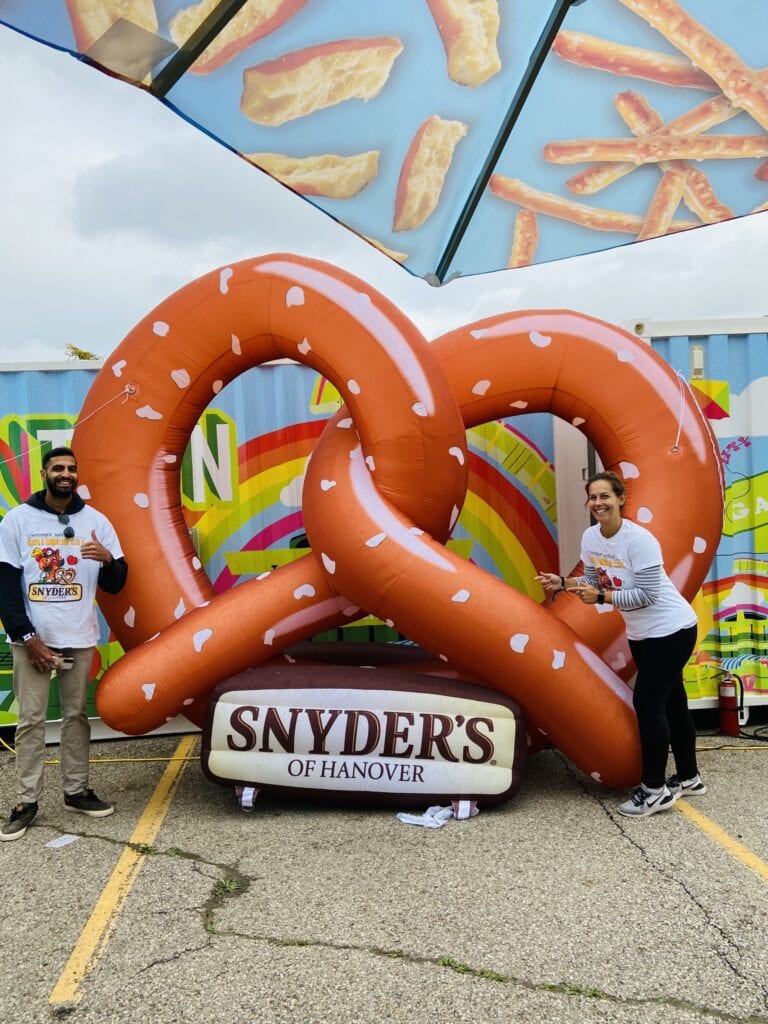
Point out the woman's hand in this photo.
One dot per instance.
(587, 593)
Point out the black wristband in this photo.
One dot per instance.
(601, 598)
(562, 582)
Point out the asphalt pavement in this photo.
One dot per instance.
(551, 907)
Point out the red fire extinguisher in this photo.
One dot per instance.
(731, 702)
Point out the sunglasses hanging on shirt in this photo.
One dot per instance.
(69, 531)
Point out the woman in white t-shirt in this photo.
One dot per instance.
(623, 566)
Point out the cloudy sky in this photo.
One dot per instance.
(110, 201)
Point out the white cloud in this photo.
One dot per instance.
(33, 350)
(291, 495)
(742, 595)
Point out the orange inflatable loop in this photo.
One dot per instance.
(638, 413)
(181, 637)
(396, 484)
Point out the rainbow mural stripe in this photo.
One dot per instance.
(501, 526)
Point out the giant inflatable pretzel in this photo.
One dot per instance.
(384, 488)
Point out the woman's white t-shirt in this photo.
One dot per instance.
(616, 559)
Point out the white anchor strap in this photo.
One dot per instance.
(436, 817)
(246, 796)
(463, 809)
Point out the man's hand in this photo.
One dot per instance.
(550, 581)
(40, 655)
(95, 550)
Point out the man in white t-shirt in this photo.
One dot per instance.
(54, 552)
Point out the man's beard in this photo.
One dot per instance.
(60, 492)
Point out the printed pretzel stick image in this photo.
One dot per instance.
(741, 84)
(699, 196)
(424, 170)
(399, 257)
(524, 240)
(630, 61)
(762, 171)
(316, 77)
(468, 29)
(760, 209)
(516, 191)
(654, 149)
(256, 19)
(326, 174)
(700, 118)
(665, 202)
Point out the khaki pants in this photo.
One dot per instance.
(31, 689)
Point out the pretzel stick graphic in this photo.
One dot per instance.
(656, 148)
(698, 193)
(666, 200)
(741, 84)
(524, 240)
(706, 115)
(630, 61)
(516, 191)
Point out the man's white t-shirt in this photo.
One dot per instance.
(59, 586)
(616, 559)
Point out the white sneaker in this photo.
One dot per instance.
(686, 787)
(644, 801)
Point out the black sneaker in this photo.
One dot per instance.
(643, 802)
(88, 803)
(21, 817)
(686, 787)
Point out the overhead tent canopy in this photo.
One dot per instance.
(460, 136)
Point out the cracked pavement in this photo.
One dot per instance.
(551, 907)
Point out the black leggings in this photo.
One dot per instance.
(660, 701)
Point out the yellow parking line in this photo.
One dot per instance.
(731, 845)
(95, 935)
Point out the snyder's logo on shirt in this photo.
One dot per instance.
(55, 592)
(57, 577)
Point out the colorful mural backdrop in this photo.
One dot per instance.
(733, 603)
(243, 474)
(411, 119)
